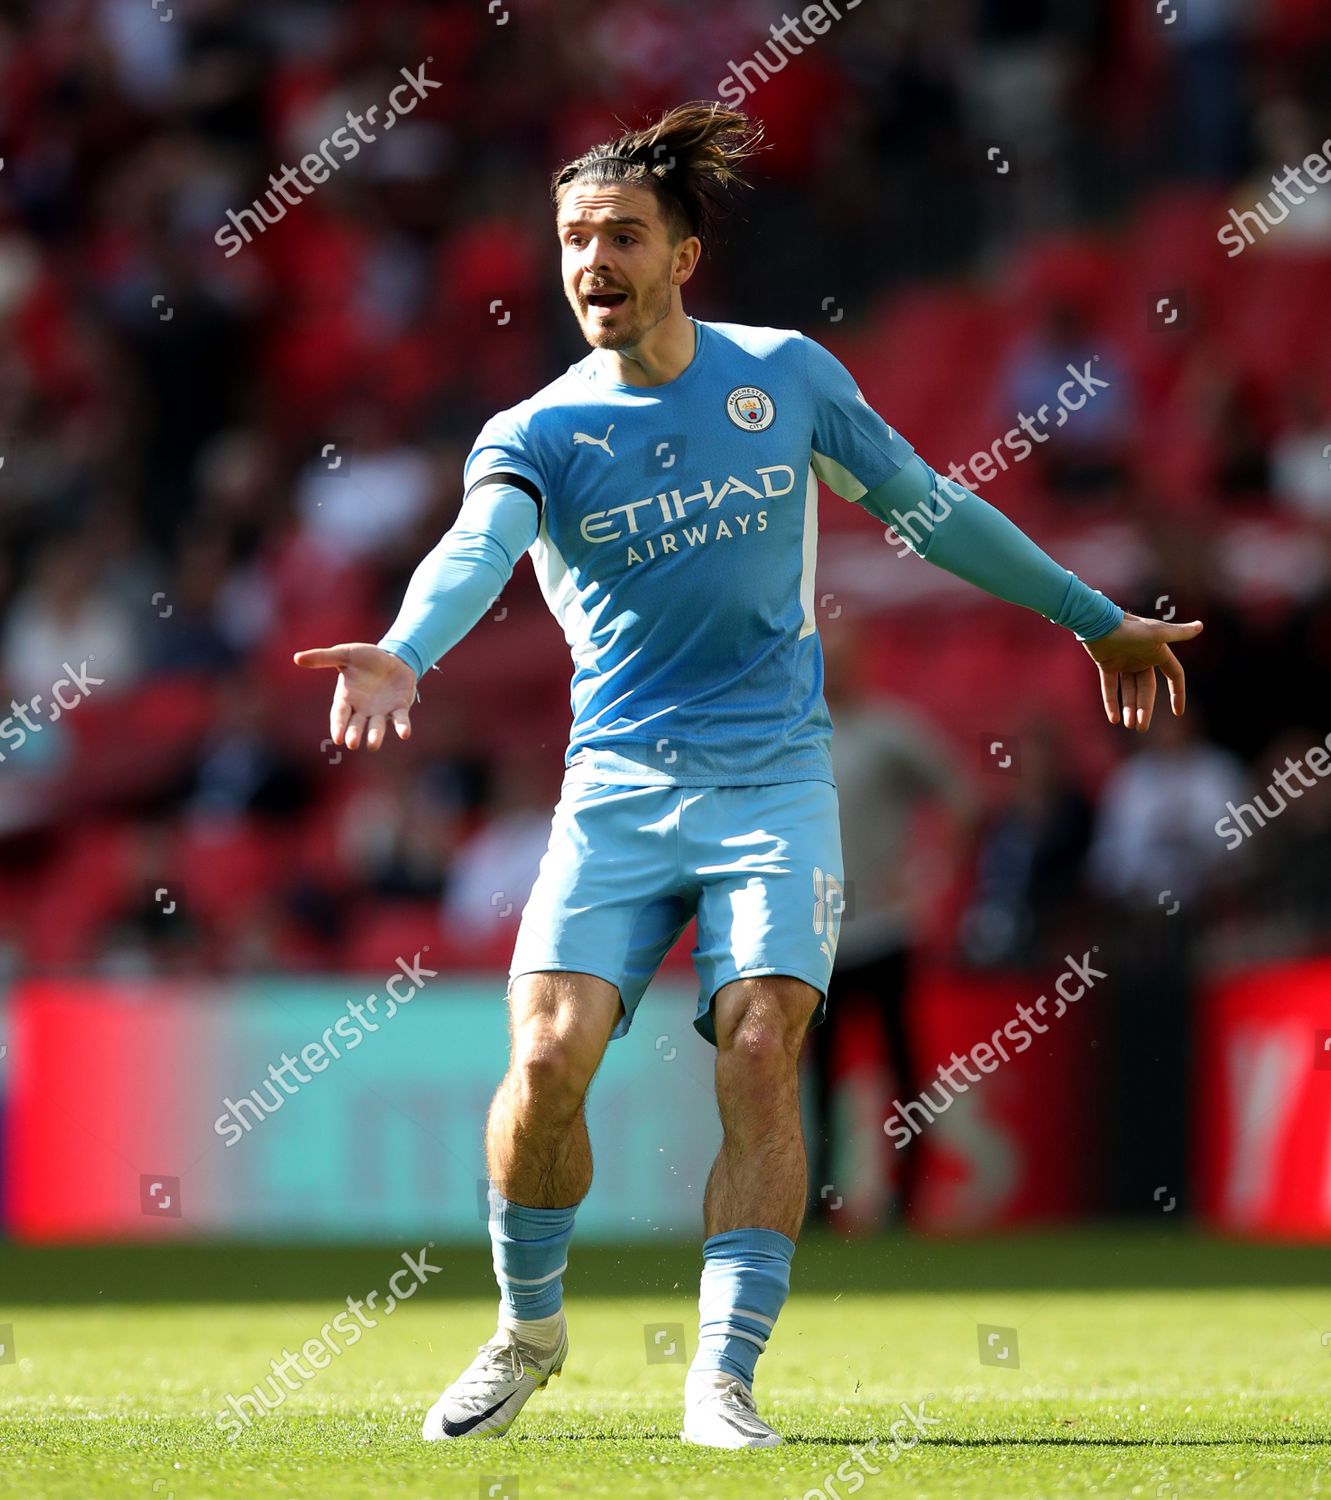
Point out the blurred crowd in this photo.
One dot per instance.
(208, 461)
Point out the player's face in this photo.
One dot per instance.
(619, 263)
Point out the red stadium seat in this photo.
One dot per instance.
(90, 878)
(229, 867)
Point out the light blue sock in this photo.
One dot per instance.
(530, 1255)
(745, 1279)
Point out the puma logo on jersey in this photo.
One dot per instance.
(581, 437)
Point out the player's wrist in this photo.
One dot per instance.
(1087, 613)
(405, 653)
(1113, 623)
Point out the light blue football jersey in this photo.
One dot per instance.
(677, 546)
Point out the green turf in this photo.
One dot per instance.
(1149, 1366)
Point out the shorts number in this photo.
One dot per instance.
(829, 901)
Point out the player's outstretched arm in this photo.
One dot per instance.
(953, 528)
(448, 593)
(1127, 659)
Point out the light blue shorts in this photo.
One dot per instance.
(628, 866)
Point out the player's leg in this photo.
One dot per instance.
(754, 1203)
(768, 921)
(760, 1177)
(536, 1145)
(600, 918)
(540, 1168)
(592, 933)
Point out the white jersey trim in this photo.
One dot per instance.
(809, 566)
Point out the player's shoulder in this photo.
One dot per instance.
(764, 343)
(549, 406)
(784, 357)
(536, 429)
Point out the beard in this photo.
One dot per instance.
(633, 321)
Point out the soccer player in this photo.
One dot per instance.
(666, 489)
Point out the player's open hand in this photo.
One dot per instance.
(1127, 659)
(374, 687)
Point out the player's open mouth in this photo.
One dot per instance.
(605, 302)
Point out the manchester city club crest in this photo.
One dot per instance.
(750, 408)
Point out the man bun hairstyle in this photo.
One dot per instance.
(689, 158)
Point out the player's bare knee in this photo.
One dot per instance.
(550, 1066)
(762, 1047)
(578, 1005)
(763, 1020)
(554, 1057)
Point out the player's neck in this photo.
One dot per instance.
(663, 355)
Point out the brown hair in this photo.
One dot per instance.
(688, 158)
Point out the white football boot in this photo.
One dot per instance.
(719, 1413)
(484, 1400)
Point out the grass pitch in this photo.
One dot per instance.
(1143, 1365)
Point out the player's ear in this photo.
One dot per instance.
(687, 255)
